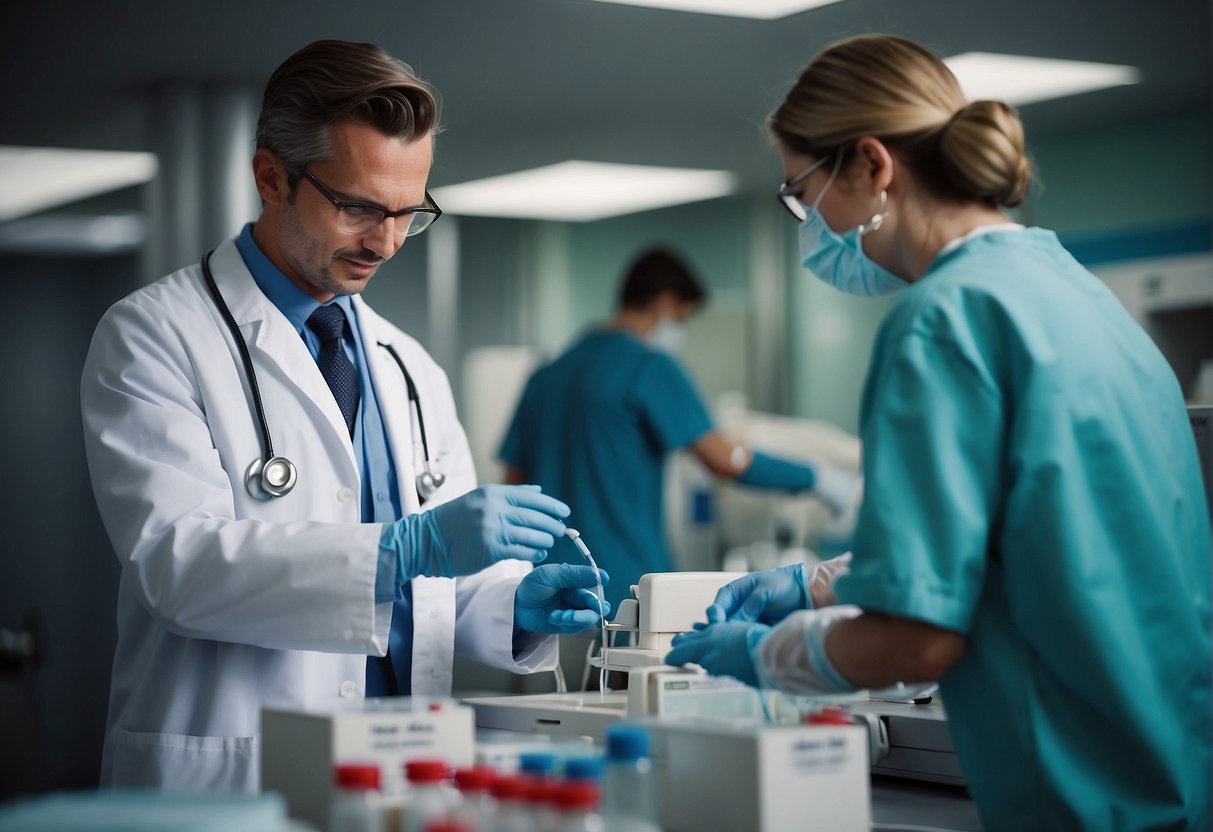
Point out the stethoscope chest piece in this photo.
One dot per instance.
(429, 482)
(266, 479)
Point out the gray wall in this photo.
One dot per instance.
(57, 559)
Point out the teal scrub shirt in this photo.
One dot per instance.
(593, 428)
(1032, 483)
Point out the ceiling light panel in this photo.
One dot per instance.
(37, 178)
(582, 191)
(1020, 79)
(757, 9)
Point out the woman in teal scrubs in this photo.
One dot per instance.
(1034, 533)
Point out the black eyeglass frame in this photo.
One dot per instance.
(427, 207)
(789, 198)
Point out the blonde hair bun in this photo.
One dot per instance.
(982, 149)
(904, 94)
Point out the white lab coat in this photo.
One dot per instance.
(227, 603)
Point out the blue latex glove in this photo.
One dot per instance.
(725, 649)
(773, 472)
(492, 523)
(768, 596)
(836, 487)
(559, 598)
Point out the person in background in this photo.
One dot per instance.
(1033, 533)
(595, 425)
(238, 590)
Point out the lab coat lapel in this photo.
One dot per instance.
(270, 334)
(433, 598)
(393, 396)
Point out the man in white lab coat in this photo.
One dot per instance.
(241, 589)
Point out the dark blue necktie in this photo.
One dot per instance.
(330, 326)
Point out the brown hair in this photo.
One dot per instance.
(903, 94)
(654, 272)
(330, 80)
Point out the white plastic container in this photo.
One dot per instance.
(540, 794)
(629, 788)
(577, 805)
(477, 805)
(513, 814)
(428, 798)
(357, 805)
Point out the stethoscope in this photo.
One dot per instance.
(271, 475)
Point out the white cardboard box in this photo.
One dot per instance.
(300, 748)
(748, 777)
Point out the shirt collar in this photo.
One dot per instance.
(296, 304)
(979, 231)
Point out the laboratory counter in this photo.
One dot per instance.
(897, 804)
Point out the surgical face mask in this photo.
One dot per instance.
(839, 259)
(669, 335)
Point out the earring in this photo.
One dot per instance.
(877, 218)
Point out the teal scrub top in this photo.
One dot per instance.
(593, 428)
(1031, 481)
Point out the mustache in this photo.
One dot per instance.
(367, 258)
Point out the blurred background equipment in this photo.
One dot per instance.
(716, 524)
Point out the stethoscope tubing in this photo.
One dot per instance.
(414, 399)
(434, 481)
(245, 357)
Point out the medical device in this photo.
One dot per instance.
(271, 475)
(662, 605)
(575, 536)
(907, 738)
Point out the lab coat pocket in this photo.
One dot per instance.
(183, 763)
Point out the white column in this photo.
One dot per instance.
(203, 191)
(230, 196)
(174, 197)
(769, 304)
(547, 303)
(442, 270)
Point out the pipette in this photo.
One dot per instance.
(575, 536)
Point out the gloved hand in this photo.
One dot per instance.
(725, 649)
(772, 594)
(822, 577)
(492, 523)
(836, 487)
(767, 596)
(559, 598)
(794, 657)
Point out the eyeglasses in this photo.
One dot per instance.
(789, 195)
(359, 217)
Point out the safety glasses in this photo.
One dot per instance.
(360, 217)
(789, 195)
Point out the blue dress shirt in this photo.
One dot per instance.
(380, 492)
